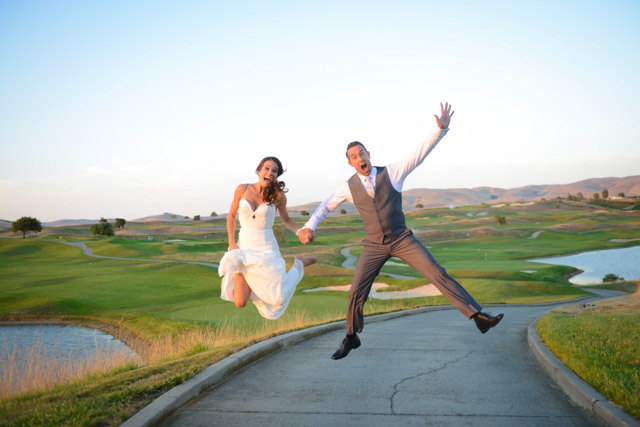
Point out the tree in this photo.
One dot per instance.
(579, 196)
(214, 213)
(304, 213)
(605, 194)
(419, 206)
(596, 196)
(343, 211)
(196, 217)
(24, 224)
(500, 220)
(620, 194)
(120, 222)
(103, 228)
(611, 278)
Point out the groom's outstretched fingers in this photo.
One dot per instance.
(445, 116)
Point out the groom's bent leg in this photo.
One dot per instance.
(369, 265)
(413, 252)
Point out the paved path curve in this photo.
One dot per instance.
(88, 252)
(422, 369)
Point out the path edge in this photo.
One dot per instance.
(166, 404)
(578, 390)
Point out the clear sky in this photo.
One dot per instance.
(135, 108)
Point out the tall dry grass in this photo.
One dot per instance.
(44, 369)
(39, 368)
(229, 332)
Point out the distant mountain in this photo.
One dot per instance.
(72, 222)
(5, 225)
(435, 198)
(430, 198)
(170, 217)
(166, 217)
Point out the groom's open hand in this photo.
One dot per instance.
(445, 116)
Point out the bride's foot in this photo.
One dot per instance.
(307, 260)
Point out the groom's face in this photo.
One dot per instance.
(359, 159)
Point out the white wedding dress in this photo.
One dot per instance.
(259, 260)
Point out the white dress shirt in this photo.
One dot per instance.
(398, 172)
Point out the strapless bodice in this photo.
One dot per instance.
(262, 218)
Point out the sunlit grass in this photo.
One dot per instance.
(110, 397)
(173, 317)
(39, 368)
(602, 345)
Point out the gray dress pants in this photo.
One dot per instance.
(412, 251)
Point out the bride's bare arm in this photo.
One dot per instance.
(281, 204)
(231, 218)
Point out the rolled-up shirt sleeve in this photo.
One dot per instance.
(329, 204)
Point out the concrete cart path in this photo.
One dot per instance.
(423, 369)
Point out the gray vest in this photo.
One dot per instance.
(382, 215)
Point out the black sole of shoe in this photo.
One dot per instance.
(333, 357)
(485, 330)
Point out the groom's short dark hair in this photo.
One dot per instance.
(353, 144)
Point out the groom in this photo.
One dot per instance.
(376, 192)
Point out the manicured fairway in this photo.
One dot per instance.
(183, 325)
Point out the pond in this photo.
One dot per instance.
(35, 355)
(624, 262)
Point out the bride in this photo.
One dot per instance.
(253, 267)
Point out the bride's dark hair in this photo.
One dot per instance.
(271, 191)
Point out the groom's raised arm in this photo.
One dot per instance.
(399, 171)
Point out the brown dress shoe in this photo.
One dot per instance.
(485, 321)
(347, 345)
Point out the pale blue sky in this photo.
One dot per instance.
(128, 109)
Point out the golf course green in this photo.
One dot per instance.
(172, 315)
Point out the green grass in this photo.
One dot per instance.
(600, 344)
(161, 304)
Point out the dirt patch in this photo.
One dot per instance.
(495, 231)
(574, 227)
(625, 303)
(434, 234)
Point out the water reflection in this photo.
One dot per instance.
(36, 356)
(625, 262)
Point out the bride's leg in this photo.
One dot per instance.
(307, 260)
(241, 290)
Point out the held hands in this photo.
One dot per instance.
(445, 116)
(306, 235)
